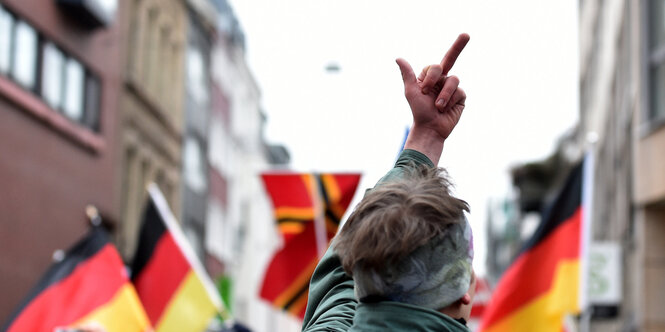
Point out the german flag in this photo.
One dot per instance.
(90, 285)
(170, 281)
(542, 285)
(295, 199)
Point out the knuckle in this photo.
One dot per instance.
(446, 95)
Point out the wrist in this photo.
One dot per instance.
(425, 141)
(426, 134)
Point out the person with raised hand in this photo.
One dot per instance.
(436, 101)
(403, 260)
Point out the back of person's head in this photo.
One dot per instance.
(409, 241)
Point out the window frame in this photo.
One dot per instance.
(91, 109)
(10, 49)
(198, 87)
(14, 70)
(73, 69)
(61, 70)
(651, 58)
(195, 169)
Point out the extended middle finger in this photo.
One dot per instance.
(451, 56)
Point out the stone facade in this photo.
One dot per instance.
(151, 109)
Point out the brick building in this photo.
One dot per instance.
(59, 68)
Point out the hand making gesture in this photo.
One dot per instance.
(436, 101)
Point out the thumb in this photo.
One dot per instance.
(408, 76)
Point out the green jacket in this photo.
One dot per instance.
(332, 305)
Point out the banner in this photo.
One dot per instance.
(308, 209)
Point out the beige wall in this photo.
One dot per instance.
(151, 154)
(151, 110)
(157, 37)
(650, 168)
(651, 284)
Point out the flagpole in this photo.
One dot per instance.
(585, 320)
(319, 218)
(586, 234)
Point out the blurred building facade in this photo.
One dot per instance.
(622, 122)
(151, 108)
(96, 105)
(240, 233)
(58, 101)
(609, 114)
(201, 30)
(622, 94)
(503, 236)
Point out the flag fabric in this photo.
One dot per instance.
(89, 286)
(542, 285)
(296, 199)
(480, 300)
(170, 281)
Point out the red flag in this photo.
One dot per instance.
(295, 198)
(480, 300)
(542, 285)
(90, 285)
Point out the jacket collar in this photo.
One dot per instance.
(396, 316)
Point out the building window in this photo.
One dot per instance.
(61, 81)
(52, 75)
(196, 77)
(73, 103)
(93, 13)
(194, 165)
(24, 55)
(6, 24)
(93, 92)
(657, 58)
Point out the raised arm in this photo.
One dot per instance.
(331, 304)
(435, 100)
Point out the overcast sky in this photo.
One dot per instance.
(519, 71)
